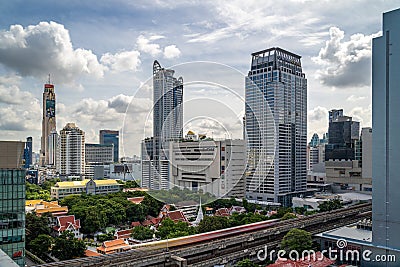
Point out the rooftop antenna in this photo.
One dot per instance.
(49, 78)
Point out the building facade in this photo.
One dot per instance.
(386, 142)
(217, 167)
(276, 126)
(12, 200)
(111, 137)
(167, 127)
(88, 186)
(54, 151)
(72, 150)
(28, 152)
(48, 120)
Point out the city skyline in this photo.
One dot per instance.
(95, 76)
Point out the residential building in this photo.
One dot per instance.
(72, 150)
(343, 134)
(54, 151)
(276, 126)
(68, 223)
(12, 200)
(386, 141)
(88, 186)
(167, 127)
(216, 167)
(48, 120)
(111, 137)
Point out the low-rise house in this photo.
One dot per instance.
(134, 224)
(113, 246)
(67, 223)
(237, 209)
(151, 221)
(223, 212)
(176, 216)
(123, 234)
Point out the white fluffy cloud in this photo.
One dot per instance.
(10, 92)
(345, 63)
(122, 61)
(145, 44)
(38, 50)
(21, 118)
(317, 121)
(171, 51)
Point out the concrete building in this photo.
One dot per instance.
(167, 127)
(48, 120)
(216, 167)
(111, 137)
(97, 155)
(72, 150)
(28, 152)
(88, 186)
(366, 152)
(12, 200)
(346, 175)
(276, 126)
(54, 151)
(386, 141)
(342, 135)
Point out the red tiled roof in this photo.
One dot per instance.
(176, 216)
(123, 234)
(63, 222)
(152, 221)
(320, 261)
(222, 212)
(89, 253)
(134, 224)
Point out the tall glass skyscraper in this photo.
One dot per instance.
(12, 200)
(28, 152)
(111, 137)
(167, 126)
(276, 126)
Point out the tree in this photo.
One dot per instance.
(66, 247)
(36, 192)
(36, 225)
(41, 245)
(142, 233)
(94, 220)
(135, 212)
(330, 205)
(169, 229)
(246, 263)
(212, 223)
(288, 216)
(298, 240)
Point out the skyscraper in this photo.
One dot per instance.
(343, 134)
(386, 141)
(72, 150)
(48, 120)
(111, 137)
(276, 126)
(54, 147)
(167, 124)
(28, 152)
(12, 200)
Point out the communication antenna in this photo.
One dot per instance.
(49, 78)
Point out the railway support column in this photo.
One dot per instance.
(181, 262)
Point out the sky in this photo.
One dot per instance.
(99, 55)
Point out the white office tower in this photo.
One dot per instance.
(276, 127)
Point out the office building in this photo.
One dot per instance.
(386, 141)
(48, 120)
(12, 200)
(216, 167)
(72, 151)
(28, 153)
(343, 134)
(111, 137)
(97, 155)
(276, 126)
(167, 127)
(88, 186)
(54, 153)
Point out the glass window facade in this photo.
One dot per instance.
(12, 214)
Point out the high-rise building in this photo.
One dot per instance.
(386, 141)
(28, 153)
(54, 153)
(343, 134)
(97, 155)
(111, 137)
(48, 120)
(12, 200)
(276, 136)
(72, 150)
(167, 126)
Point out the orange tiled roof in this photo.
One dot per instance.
(89, 253)
(135, 200)
(112, 245)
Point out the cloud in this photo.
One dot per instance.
(354, 98)
(171, 51)
(363, 115)
(345, 63)
(10, 93)
(317, 121)
(122, 61)
(144, 45)
(21, 118)
(38, 50)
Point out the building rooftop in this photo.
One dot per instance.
(350, 232)
(84, 182)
